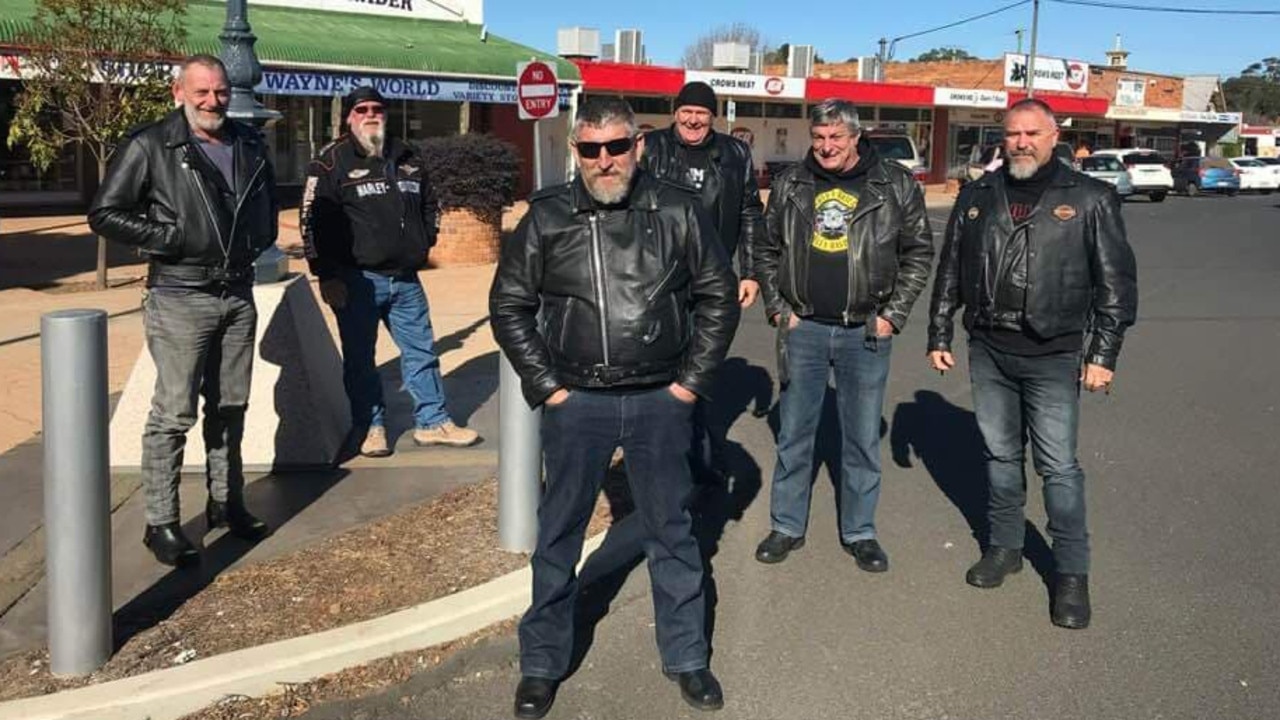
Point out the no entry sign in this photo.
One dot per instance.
(537, 93)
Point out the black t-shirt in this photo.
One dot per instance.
(1024, 200)
(835, 201)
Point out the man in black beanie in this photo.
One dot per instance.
(368, 220)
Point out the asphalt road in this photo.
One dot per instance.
(1181, 461)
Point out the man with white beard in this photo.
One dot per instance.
(368, 220)
(195, 194)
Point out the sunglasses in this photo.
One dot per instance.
(368, 110)
(591, 150)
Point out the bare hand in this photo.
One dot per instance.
(748, 290)
(941, 360)
(334, 293)
(1096, 377)
(681, 394)
(884, 328)
(557, 398)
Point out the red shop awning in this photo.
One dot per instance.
(630, 79)
(1067, 104)
(865, 93)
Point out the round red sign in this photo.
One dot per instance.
(536, 90)
(773, 85)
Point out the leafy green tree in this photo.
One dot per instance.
(1256, 91)
(943, 53)
(94, 69)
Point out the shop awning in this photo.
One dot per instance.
(1077, 105)
(868, 93)
(316, 39)
(626, 79)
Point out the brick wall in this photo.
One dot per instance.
(465, 240)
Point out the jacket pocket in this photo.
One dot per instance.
(171, 240)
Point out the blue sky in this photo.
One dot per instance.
(1176, 44)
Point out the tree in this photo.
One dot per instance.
(1256, 91)
(698, 56)
(944, 53)
(93, 69)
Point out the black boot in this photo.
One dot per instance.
(869, 555)
(534, 696)
(238, 521)
(995, 565)
(170, 546)
(776, 547)
(1071, 601)
(699, 688)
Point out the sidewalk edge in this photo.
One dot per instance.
(171, 693)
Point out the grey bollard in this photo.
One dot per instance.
(519, 464)
(77, 489)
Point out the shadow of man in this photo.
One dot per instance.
(715, 502)
(946, 438)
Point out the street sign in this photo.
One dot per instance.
(730, 111)
(537, 94)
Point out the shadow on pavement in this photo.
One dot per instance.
(946, 438)
(38, 260)
(716, 502)
(276, 499)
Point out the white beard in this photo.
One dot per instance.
(196, 120)
(610, 196)
(1022, 170)
(371, 142)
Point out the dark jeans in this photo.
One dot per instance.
(861, 366)
(401, 304)
(1017, 397)
(202, 344)
(578, 438)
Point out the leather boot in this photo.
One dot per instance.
(534, 697)
(170, 546)
(699, 688)
(776, 547)
(1071, 601)
(868, 554)
(236, 519)
(996, 564)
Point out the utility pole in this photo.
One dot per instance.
(1019, 33)
(1031, 59)
(881, 60)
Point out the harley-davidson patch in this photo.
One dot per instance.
(973, 213)
(358, 173)
(1064, 212)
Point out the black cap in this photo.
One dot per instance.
(698, 94)
(364, 93)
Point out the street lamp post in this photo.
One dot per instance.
(244, 72)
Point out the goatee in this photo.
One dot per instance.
(371, 142)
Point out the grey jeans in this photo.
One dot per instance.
(202, 344)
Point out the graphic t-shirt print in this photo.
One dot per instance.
(832, 213)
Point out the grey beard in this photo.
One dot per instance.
(1022, 171)
(370, 143)
(195, 121)
(609, 197)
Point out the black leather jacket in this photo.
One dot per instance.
(164, 197)
(589, 297)
(1070, 270)
(890, 246)
(729, 194)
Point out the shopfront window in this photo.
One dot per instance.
(17, 174)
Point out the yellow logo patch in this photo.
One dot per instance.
(1064, 212)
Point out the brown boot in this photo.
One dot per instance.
(446, 433)
(375, 443)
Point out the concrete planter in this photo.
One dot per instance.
(466, 238)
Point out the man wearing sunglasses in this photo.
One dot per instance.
(368, 220)
(615, 302)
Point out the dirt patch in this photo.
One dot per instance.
(425, 552)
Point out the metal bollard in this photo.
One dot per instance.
(519, 464)
(77, 489)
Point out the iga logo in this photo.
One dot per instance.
(1075, 76)
(774, 85)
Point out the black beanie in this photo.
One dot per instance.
(364, 93)
(698, 94)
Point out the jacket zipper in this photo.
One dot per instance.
(597, 277)
(213, 218)
(248, 190)
(851, 291)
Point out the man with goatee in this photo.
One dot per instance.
(368, 221)
(195, 194)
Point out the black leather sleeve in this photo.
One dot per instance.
(768, 252)
(915, 253)
(118, 212)
(1115, 282)
(320, 220)
(514, 300)
(751, 222)
(715, 305)
(946, 282)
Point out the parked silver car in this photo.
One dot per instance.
(1108, 168)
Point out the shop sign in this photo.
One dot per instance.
(960, 97)
(977, 117)
(1131, 92)
(455, 10)
(1054, 74)
(1143, 113)
(289, 82)
(1211, 117)
(762, 86)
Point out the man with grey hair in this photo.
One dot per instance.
(615, 302)
(1036, 254)
(195, 194)
(846, 254)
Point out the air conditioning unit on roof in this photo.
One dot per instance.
(868, 68)
(800, 61)
(578, 42)
(628, 47)
(731, 56)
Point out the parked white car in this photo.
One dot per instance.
(1148, 171)
(1261, 174)
(899, 147)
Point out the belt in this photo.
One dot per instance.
(202, 273)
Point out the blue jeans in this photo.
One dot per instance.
(1015, 398)
(861, 367)
(578, 437)
(401, 304)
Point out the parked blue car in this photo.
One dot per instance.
(1195, 175)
